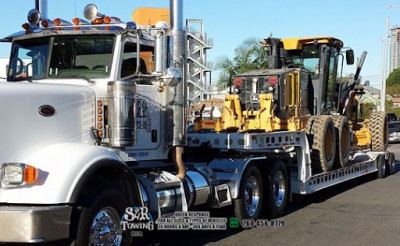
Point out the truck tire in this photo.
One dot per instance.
(251, 191)
(277, 190)
(381, 165)
(102, 207)
(343, 143)
(379, 131)
(322, 140)
(391, 163)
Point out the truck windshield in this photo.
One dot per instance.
(87, 56)
(28, 59)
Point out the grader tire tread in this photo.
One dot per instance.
(340, 123)
(378, 126)
(319, 125)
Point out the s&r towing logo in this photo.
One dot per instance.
(137, 218)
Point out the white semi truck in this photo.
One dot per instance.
(94, 122)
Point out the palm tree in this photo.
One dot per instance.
(250, 55)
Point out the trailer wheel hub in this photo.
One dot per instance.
(278, 188)
(252, 196)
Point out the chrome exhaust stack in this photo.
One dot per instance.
(177, 92)
(160, 51)
(41, 6)
(178, 102)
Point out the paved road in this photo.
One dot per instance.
(365, 211)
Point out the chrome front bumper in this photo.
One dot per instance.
(31, 224)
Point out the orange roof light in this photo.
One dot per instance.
(57, 21)
(107, 20)
(47, 23)
(97, 21)
(111, 20)
(61, 22)
(79, 21)
(25, 26)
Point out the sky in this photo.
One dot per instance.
(360, 24)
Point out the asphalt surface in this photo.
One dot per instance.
(365, 211)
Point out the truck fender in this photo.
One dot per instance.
(231, 171)
(63, 169)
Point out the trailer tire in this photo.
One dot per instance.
(379, 131)
(390, 163)
(277, 190)
(343, 143)
(381, 165)
(250, 199)
(322, 140)
(102, 205)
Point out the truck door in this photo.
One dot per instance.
(148, 100)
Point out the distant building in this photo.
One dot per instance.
(396, 102)
(395, 48)
(373, 91)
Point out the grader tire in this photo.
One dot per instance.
(343, 143)
(322, 140)
(379, 131)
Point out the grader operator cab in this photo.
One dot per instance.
(300, 91)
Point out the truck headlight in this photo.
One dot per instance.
(18, 174)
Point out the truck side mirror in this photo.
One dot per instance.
(350, 57)
(20, 66)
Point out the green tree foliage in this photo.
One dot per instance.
(394, 78)
(366, 110)
(250, 55)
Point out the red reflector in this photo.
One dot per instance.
(238, 81)
(272, 80)
(47, 110)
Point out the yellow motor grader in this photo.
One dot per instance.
(300, 91)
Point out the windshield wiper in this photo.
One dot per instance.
(78, 77)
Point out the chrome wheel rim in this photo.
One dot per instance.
(251, 195)
(279, 188)
(105, 229)
(383, 168)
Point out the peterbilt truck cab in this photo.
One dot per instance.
(84, 104)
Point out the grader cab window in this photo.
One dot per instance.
(308, 59)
